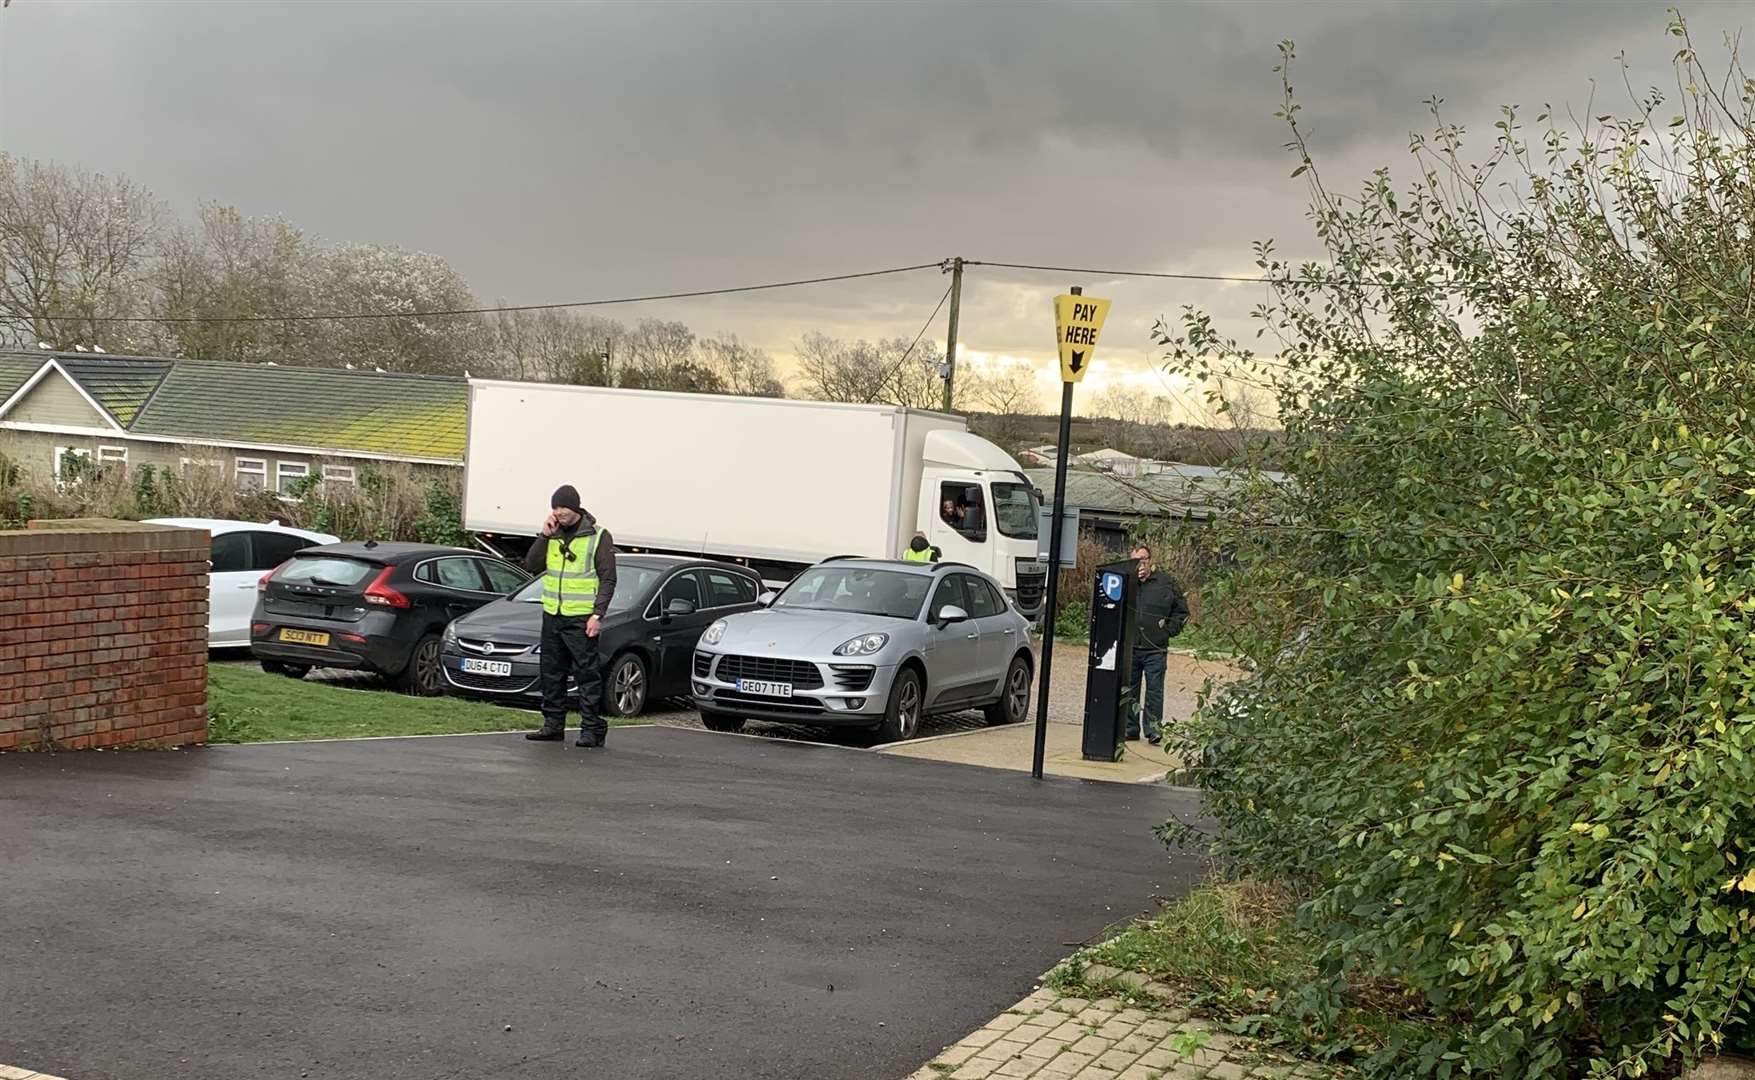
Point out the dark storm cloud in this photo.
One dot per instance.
(556, 151)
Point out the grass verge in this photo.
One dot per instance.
(1232, 952)
(246, 705)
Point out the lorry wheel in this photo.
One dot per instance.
(627, 685)
(291, 671)
(713, 721)
(902, 714)
(1014, 698)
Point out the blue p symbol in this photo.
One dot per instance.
(1112, 584)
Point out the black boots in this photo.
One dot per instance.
(545, 735)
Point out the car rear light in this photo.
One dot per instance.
(262, 582)
(258, 628)
(357, 639)
(383, 595)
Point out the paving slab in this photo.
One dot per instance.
(681, 905)
(1013, 746)
(1174, 1048)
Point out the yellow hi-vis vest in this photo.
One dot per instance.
(917, 556)
(570, 588)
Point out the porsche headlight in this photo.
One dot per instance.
(864, 645)
(714, 634)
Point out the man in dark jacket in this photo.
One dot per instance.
(1161, 610)
(577, 562)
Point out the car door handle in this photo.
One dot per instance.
(1010, 630)
(245, 585)
(973, 636)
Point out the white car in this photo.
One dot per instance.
(242, 552)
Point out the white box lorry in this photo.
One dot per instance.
(775, 484)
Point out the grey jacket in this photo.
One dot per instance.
(536, 559)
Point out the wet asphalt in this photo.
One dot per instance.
(680, 905)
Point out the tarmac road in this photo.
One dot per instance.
(680, 905)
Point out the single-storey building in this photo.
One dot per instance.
(1109, 504)
(265, 426)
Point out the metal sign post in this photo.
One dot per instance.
(1078, 320)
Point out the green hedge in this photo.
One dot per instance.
(1502, 729)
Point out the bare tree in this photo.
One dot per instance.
(1136, 422)
(555, 346)
(741, 369)
(892, 371)
(235, 270)
(1008, 394)
(74, 248)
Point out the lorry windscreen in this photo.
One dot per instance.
(1014, 510)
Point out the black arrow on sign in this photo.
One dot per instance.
(1078, 359)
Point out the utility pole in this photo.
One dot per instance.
(956, 268)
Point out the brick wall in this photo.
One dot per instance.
(103, 635)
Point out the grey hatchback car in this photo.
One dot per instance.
(872, 644)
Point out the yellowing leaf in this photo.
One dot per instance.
(1663, 774)
(1681, 431)
(1747, 882)
(1456, 582)
(1578, 912)
(1581, 826)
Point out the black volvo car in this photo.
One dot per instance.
(661, 606)
(376, 606)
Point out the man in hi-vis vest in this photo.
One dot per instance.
(577, 562)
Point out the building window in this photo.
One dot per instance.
(71, 464)
(338, 474)
(113, 457)
(288, 473)
(202, 468)
(252, 474)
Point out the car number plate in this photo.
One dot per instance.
(765, 689)
(472, 666)
(304, 637)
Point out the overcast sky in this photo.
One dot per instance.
(568, 151)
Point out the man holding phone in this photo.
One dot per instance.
(577, 562)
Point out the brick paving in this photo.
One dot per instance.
(1052, 1036)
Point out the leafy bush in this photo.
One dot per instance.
(1502, 729)
(1073, 624)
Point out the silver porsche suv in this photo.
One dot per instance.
(869, 643)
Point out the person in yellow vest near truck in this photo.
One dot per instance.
(919, 550)
(577, 562)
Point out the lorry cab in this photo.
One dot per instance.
(979, 508)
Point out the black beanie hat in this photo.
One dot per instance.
(567, 496)
(918, 544)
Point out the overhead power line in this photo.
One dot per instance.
(1123, 273)
(349, 316)
(924, 327)
(353, 316)
(1241, 278)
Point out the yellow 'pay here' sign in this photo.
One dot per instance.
(1077, 322)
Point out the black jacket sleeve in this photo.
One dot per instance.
(605, 569)
(1178, 609)
(536, 559)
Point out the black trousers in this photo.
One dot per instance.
(568, 650)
